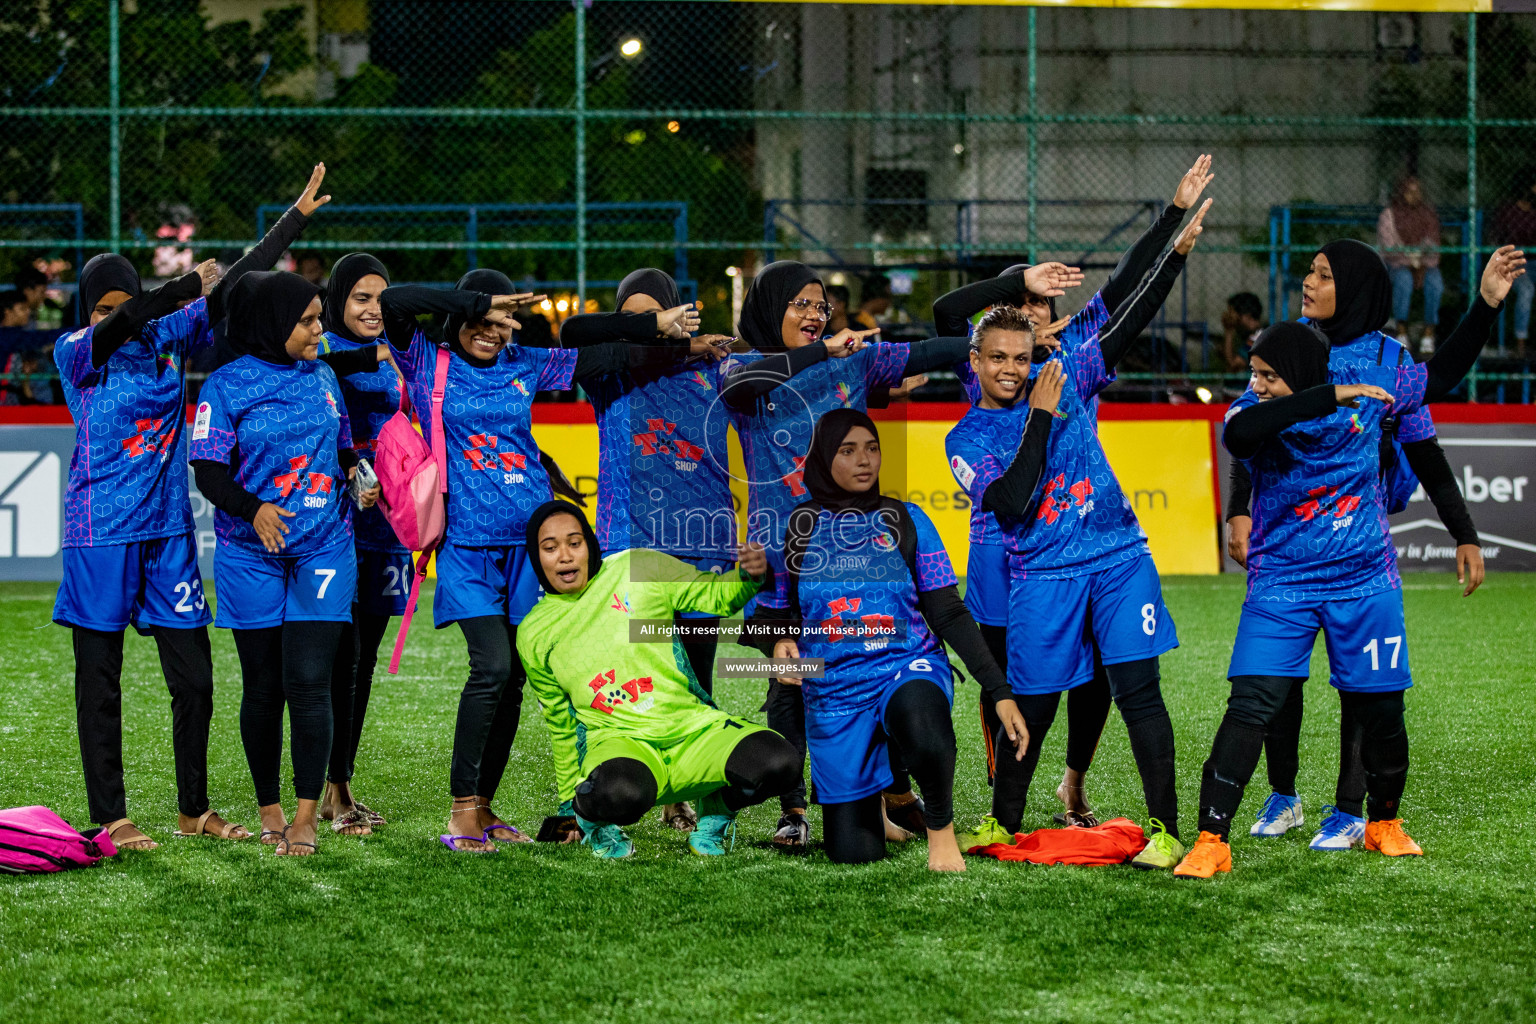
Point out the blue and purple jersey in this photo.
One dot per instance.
(858, 605)
(128, 474)
(776, 434)
(664, 468)
(1319, 512)
(372, 399)
(495, 480)
(1084, 327)
(279, 429)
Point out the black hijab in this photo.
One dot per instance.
(1297, 352)
(762, 311)
(1362, 291)
(1019, 268)
(658, 284)
(108, 272)
(264, 308)
(491, 282)
(831, 430)
(536, 520)
(349, 270)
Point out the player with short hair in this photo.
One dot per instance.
(1081, 576)
(629, 725)
(1321, 557)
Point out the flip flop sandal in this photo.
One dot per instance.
(269, 832)
(517, 837)
(201, 829)
(291, 843)
(131, 845)
(452, 842)
(374, 817)
(1072, 819)
(352, 819)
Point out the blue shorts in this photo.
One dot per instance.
(986, 584)
(1366, 637)
(1054, 625)
(384, 581)
(848, 755)
(143, 583)
(258, 589)
(473, 582)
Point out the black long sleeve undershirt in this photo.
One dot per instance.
(951, 622)
(363, 359)
(1012, 494)
(620, 356)
(936, 354)
(598, 328)
(218, 485)
(128, 319)
(403, 303)
(1247, 431)
(1138, 259)
(1239, 490)
(742, 388)
(1454, 357)
(263, 255)
(952, 311)
(1135, 313)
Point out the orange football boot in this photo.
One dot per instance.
(1209, 855)
(1389, 838)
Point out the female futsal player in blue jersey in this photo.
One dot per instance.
(485, 581)
(130, 556)
(870, 590)
(1081, 576)
(1321, 555)
(273, 452)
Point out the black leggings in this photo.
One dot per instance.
(357, 656)
(919, 726)
(785, 707)
(1136, 688)
(620, 790)
(187, 662)
(489, 707)
(1282, 752)
(1087, 711)
(701, 653)
(1252, 708)
(289, 663)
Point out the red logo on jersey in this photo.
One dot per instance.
(796, 481)
(315, 483)
(839, 628)
(1053, 504)
(482, 454)
(1323, 503)
(609, 694)
(148, 440)
(660, 437)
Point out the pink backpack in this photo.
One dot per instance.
(34, 839)
(413, 477)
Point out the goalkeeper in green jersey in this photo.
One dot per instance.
(629, 724)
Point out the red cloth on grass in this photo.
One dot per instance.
(1112, 842)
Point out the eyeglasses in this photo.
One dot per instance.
(806, 308)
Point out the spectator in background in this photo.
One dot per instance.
(1241, 322)
(311, 267)
(1411, 223)
(838, 298)
(1515, 224)
(874, 303)
(15, 309)
(32, 284)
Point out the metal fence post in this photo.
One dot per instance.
(1032, 132)
(1472, 239)
(114, 102)
(581, 155)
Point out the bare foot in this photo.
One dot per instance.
(213, 825)
(498, 829)
(125, 835)
(298, 840)
(464, 820)
(273, 821)
(894, 833)
(944, 850)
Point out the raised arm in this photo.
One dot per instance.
(1456, 355)
(273, 244)
(599, 328)
(403, 303)
(1139, 258)
(1136, 313)
(131, 317)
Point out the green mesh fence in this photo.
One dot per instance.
(567, 144)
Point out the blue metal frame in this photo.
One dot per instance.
(76, 209)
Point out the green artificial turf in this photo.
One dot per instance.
(394, 928)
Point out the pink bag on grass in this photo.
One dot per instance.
(34, 839)
(413, 476)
